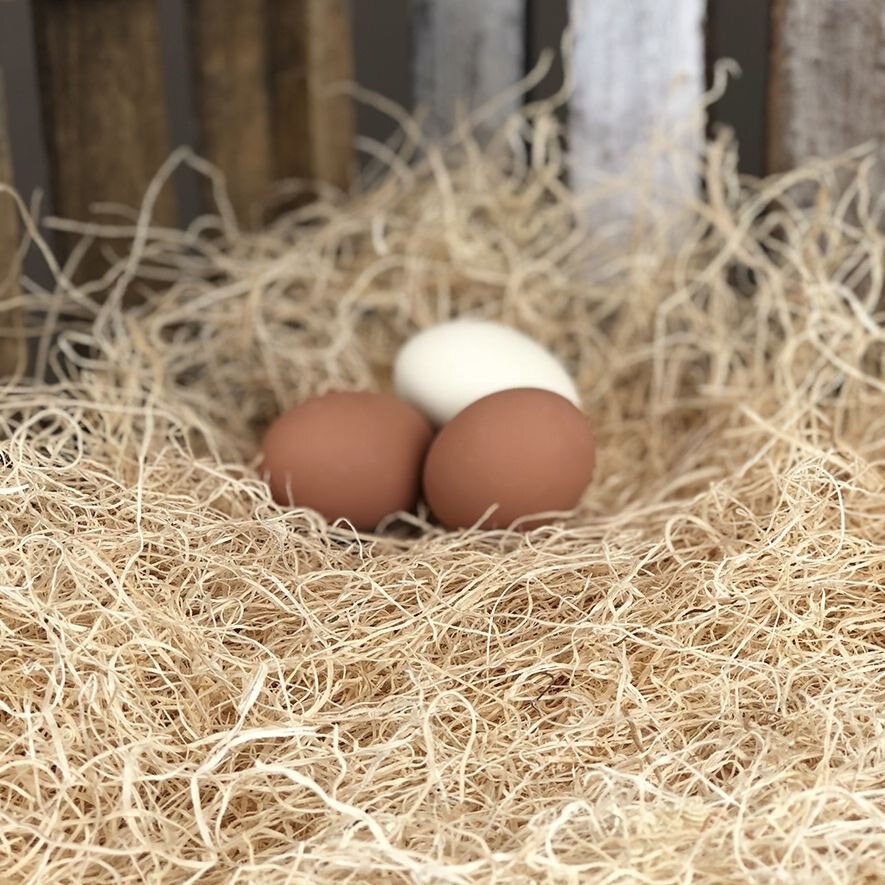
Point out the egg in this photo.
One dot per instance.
(523, 451)
(350, 455)
(445, 368)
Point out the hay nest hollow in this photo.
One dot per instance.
(684, 681)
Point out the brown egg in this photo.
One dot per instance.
(352, 455)
(525, 450)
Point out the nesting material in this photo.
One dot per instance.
(683, 681)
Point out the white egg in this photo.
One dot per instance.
(445, 368)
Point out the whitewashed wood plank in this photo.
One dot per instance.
(636, 107)
(466, 52)
(827, 82)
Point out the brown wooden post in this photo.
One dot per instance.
(231, 93)
(311, 51)
(827, 84)
(10, 349)
(262, 70)
(104, 103)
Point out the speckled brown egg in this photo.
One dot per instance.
(351, 455)
(525, 451)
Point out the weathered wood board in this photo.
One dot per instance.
(104, 104)
(231, 94)
(311, 58)
(827, 79)
(465, 54)
(263, 72)
(636, 109)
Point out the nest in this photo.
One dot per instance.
(681, 681)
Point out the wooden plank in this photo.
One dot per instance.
(10, 349)
(231, 95)
(639, 78)
(104, 106)
(465, 54)
(263, 71)
(827, 79)
(311, 57)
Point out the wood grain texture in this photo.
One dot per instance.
(827, 79)
(639, 78)
(104, 105)
(311, 57)
(231, 93)
(10, 349)
(263, 73)
(466, 53)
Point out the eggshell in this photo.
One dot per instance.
(445, 368)
(528, 451)
(351, 455)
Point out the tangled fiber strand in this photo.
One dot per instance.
(683, 681)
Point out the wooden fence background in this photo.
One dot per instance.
(99, 91)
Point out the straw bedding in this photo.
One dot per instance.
(683, 681)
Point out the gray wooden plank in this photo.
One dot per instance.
(827, 82)
(104, 106)
(465, 54)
